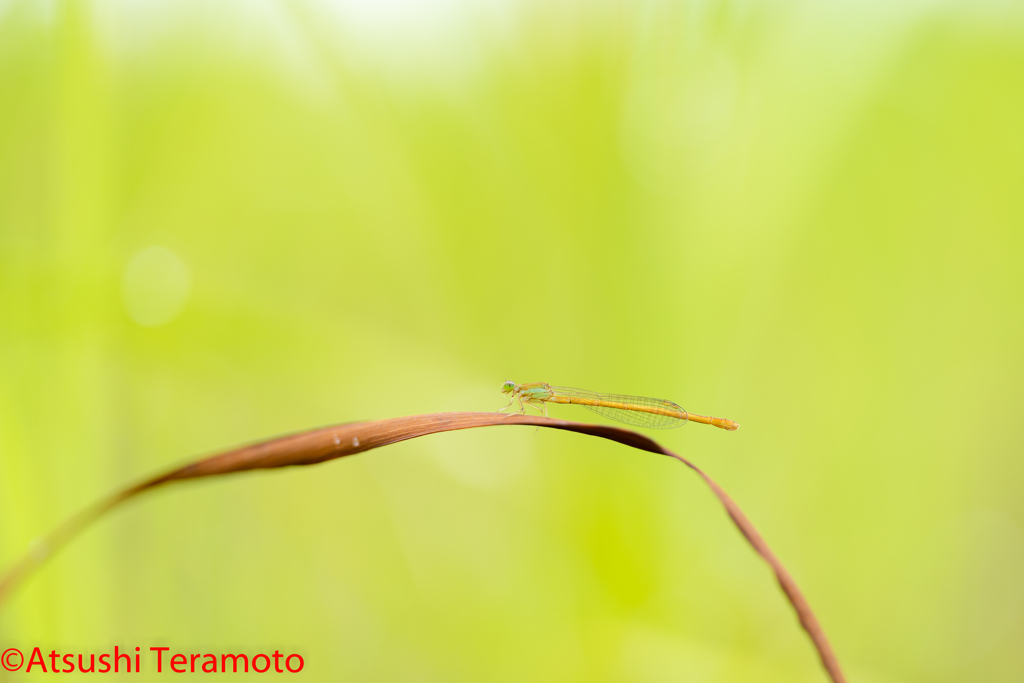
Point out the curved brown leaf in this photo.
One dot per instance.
(328, 443)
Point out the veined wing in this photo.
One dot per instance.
(639, 411)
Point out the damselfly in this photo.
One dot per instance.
(639, 411)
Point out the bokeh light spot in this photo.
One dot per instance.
(155, 286)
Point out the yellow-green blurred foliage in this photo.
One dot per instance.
(221, 221)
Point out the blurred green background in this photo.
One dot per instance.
(222, 221)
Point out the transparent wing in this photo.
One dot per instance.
(639, 411)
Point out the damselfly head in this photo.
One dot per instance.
(508, 387)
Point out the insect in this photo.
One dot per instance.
(639, 411)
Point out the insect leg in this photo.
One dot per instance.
(533, 404)
(511, 400)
